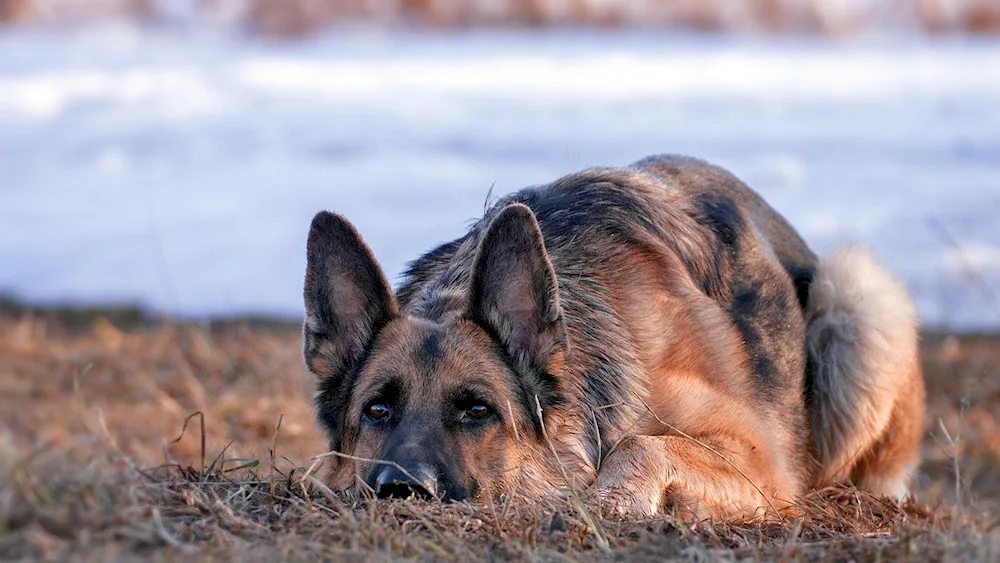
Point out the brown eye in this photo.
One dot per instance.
(478, 411)
(377, 411)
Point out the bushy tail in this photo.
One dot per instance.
(867, 391)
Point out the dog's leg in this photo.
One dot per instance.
(719, 476)
(866, 386)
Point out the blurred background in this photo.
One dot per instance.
(169, 154)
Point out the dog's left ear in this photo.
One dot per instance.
(347, 298)
(514, 293)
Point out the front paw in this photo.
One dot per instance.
(635, 479)
(626, 500)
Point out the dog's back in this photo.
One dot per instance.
(864, 388)
(698, 178)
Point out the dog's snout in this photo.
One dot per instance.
(396, 482)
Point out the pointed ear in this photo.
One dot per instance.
(346, 295)
(513, 293)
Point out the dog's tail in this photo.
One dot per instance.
(865, 386)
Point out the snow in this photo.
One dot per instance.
(180, 169)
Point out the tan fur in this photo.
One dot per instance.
(867, 387)
(464, 359)
(702, 446)
(717, 475)
(888, 466)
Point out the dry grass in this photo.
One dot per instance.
(89, 469)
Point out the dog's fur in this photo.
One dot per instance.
(654, 335)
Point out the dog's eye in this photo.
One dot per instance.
(478, 411)
(377, 411)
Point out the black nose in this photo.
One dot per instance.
(393, 482)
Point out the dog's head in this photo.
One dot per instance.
(441, 409)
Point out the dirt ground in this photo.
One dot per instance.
(96, 464)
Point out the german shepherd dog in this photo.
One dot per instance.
(653, 337)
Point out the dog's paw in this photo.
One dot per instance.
(635, 480)
(622, 501)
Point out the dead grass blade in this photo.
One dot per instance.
(201, 417)
(602, 540)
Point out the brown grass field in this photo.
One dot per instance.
(91, 468)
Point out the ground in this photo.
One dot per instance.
(103, 417)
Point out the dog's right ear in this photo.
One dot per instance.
(347, 297)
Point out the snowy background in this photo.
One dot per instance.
(180, 170)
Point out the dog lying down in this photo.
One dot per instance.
(655, 336)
